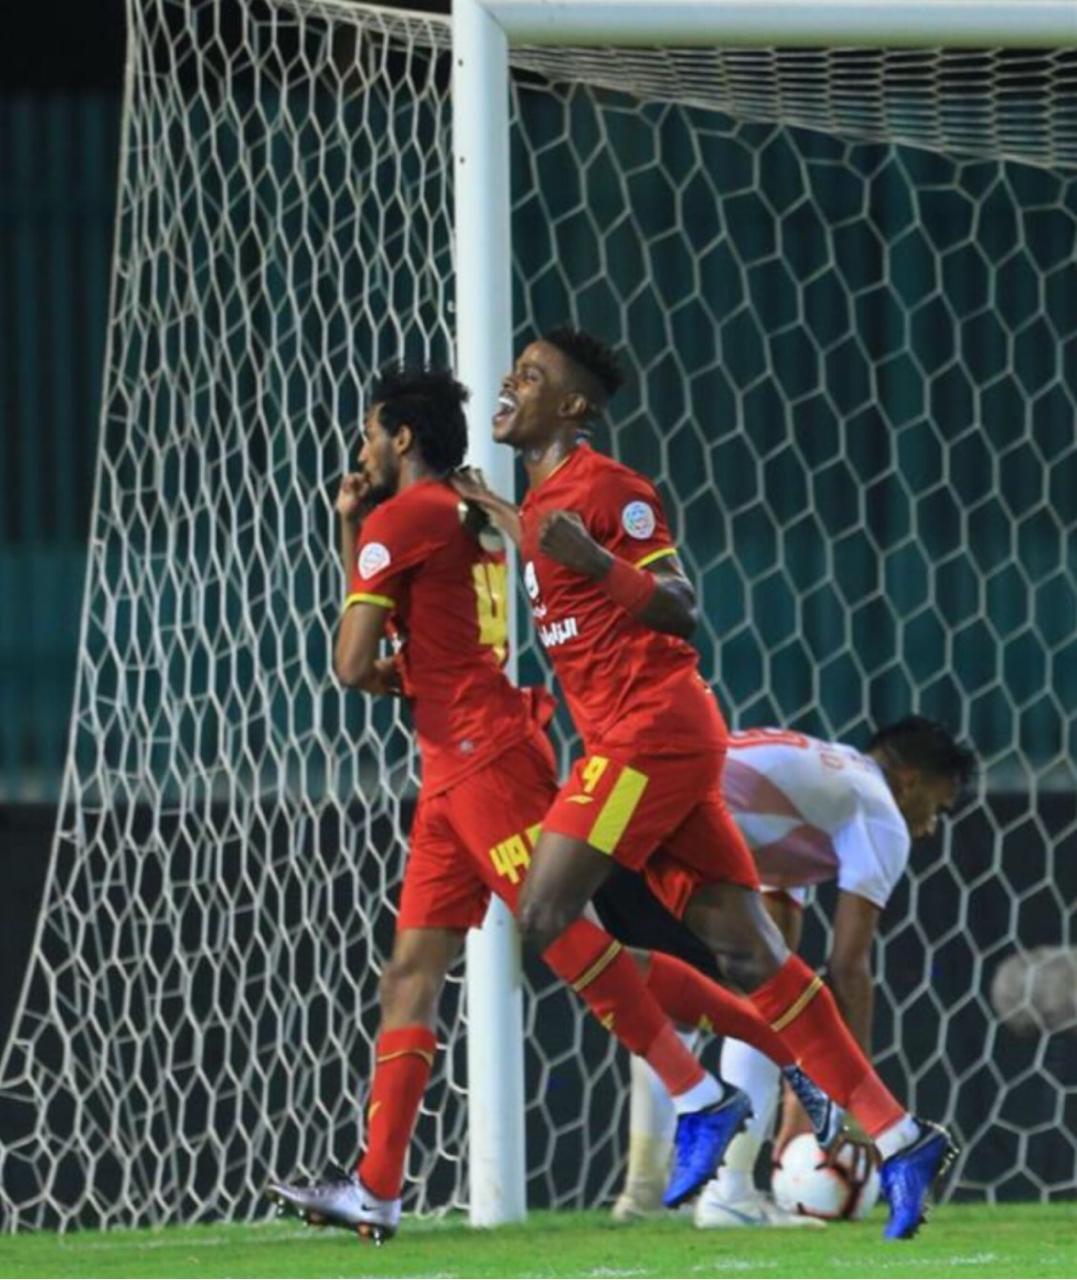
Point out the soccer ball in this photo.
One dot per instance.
(1036, 991)
(804, 1183)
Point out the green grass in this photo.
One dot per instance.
(961, 1240)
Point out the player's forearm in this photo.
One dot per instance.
(663, 603)
(378, 677)
(672, 609)
(854, 992)
(506, 517)
(793, 1120)
(470, 485)
(352, 670)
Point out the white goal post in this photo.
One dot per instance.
(782, 23)
(482, 33)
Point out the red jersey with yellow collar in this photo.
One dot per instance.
(445, 592)
(629, 688)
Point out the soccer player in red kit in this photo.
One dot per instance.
(614, 609)
(422, 566)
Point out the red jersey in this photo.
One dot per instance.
(627, 686)
(446, 594)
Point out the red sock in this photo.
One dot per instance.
(691, 998)
(799, 1007)
(671, 1062)
(402, 1062)
(608, 979)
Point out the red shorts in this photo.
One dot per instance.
(476, 838)
(662, 814)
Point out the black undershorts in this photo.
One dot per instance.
(633, 915)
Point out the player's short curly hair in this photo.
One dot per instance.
(928, 745)
(589, 353)
(430, 402)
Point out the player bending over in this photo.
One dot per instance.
(424, 568)
(614, 610)
(810, 811)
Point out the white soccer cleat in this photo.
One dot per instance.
(641, 1198)
(340, 1201)
(715, 1209)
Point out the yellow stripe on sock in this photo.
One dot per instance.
(799, 1004)
(600, 966)
(617, 812)
(427, 1057)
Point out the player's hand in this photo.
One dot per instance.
(853, 1151)
(387, 676)
(470, 484)
(563, 537)
(352, 496)
(852, 1143)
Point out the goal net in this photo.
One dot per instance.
(843, 281)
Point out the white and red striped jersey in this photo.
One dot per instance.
(814, 811)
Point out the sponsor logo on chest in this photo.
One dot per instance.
(555, 633)
(531, 584)
(552, 633)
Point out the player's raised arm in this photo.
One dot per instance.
(352, 504)
(661, 598)
(470, 484)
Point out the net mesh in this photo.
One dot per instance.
(991, 103)
(853, 378)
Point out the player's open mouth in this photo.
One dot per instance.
(506, 407)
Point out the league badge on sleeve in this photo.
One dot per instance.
(638, 520)
(373, 558)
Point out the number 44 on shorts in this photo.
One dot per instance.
(512, 857)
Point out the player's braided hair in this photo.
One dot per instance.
(589, 353)
(926, 744)
(430, 402)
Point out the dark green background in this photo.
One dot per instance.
(853, 370)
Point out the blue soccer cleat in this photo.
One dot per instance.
(700, 1143)
(909, 1175)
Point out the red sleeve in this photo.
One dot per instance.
(391, 542)
(630, 521)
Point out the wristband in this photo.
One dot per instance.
(628, 586)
